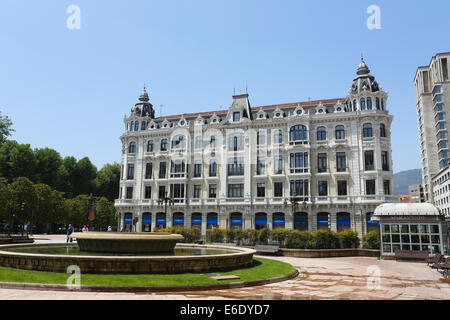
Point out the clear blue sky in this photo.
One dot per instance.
(69, 89)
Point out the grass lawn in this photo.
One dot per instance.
(262, 269)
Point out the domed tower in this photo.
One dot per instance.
(365, 93)
(143, 108)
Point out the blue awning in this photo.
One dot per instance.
(212, 221)
(278, 222)
(261, 222)
(196, 220)
(373, 223)
(178, 220)
(343, 222)
(161, 220)
(128, 220)
(322, 222)
(147, 220)
(236, 221)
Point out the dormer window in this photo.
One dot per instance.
(236, 116)
(278, 115)
(299, 112)
(321, 111)
(182, 123)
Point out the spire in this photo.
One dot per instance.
(362, 68)
(144, 96)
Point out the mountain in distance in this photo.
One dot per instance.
(404, 179)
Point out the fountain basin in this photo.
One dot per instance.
(137, 264)
(113, 242)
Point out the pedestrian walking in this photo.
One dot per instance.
(69, 232)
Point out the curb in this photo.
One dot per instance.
(62, 287)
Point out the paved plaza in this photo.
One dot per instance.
(332, 278)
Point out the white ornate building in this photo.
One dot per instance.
(306, 165)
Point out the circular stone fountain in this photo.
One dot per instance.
(157, 242)
(125, 253)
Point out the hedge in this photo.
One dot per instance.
(371, 240)
(285, 238)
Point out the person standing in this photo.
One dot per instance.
(109, 229)
(69, 232)
(85, 229)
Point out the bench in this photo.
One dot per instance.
(445, 267)
(434, 260)
(21, 239)
(411, 254)
(267, 249)
(225, 244)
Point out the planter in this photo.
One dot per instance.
(329, 253)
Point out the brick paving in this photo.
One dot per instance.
(331, 278)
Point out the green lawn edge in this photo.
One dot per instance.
(262, 269)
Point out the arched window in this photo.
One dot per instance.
(179, 142)
(164, 145)
(321, 134)
(340, 133)
(150, 146)
(363, 104)
(298, 133)
(382, 130)
(236, 220)
(136, 126)
(343, 221)
(377, 102)
(369, 103)
(278, 221)
(301, 221)
(132, 147)
(260, 221)
(367, 130)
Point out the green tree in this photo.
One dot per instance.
(5, 199)
(48, 162)
(107, 181)
(5, 159)
(44, 209)
(5, 128)
(22, 192)
(22, 161)
(85, 175)
(106, 213)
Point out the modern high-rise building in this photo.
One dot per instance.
(432, 88)
(323, 164)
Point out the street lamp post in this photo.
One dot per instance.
(91, 218)
(166, 200)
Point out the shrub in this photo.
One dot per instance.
(371, 240)
(279, 236)
(231, 235)
(297, 240)
(240, 236)
(263, 236)
(349, 239)
(250, 236)
(322, 239)
(215, 235)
